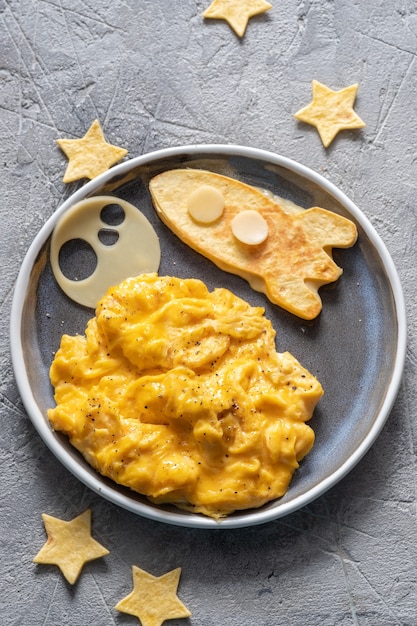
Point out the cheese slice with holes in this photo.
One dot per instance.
(136, 251)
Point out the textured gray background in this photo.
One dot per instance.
(157, 75)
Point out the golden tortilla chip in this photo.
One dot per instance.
(331, 111)
(237, 13)
(153, 600)
(69, 545)
(289, 265)
(89, 156)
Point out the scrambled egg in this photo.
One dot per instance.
(179, 394)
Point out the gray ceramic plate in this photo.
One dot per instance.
(356, 347)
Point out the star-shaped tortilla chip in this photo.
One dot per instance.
(69, 545)
(237, 13)
(154, 600)
(89, 156)
(331, 111)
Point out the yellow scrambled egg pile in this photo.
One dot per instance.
(179, 394)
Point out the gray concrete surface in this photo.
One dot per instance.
(157, 75)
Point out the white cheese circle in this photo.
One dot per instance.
(249, 227)
(206, 204)
(136, 251)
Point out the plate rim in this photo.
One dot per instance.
(245, 518)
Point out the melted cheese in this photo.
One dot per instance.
(179, 394)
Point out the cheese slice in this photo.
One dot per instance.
(135, 252)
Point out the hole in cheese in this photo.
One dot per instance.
(206, 204)
(77, 259)
(249, 227)
(108, 237)
(112, 214)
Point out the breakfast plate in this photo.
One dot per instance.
(355, 347)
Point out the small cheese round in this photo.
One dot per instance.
(206, 204)
(249, 227)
